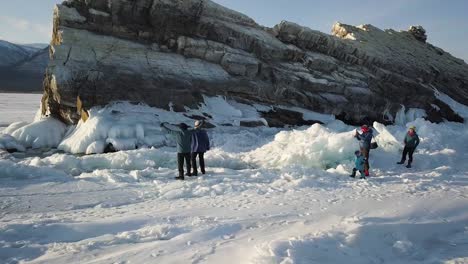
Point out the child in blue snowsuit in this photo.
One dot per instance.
(358, 165)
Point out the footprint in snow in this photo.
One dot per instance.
(229, 236)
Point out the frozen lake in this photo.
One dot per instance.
(15, 107)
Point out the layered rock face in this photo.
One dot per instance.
(175, 51)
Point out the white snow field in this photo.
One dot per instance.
(18, 107)
(269, 195)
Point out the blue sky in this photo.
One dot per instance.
(446, 22)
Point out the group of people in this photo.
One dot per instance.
(191, 143)
(411, 142)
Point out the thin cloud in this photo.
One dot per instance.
(15, 23)
(23, 31)
(42, 29)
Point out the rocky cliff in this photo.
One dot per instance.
(162, 51)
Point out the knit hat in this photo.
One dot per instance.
(364, 128)
(357, 152)
(199, 123)
(413, 128)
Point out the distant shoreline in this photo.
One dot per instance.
(20, 92)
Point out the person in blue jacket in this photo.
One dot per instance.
(365, 139)
(200, 145)
(411, 142)
(358, 165)
(183, 138)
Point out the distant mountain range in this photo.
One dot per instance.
(22, 66)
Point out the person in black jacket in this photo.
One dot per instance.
(411, 142)
(200, 145)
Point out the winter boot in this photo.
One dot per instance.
(366, 172)
(401, 162)
(353, 174)
(181, 176)
(409, 165)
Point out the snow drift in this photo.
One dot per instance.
(44, 133)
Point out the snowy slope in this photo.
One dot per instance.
(22, 67)
(35, 65)
(269, 196)
(11, 54)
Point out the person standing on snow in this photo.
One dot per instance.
(365, 139)
(183, 138)
(358, 165)
(411, 142)
(200, 145)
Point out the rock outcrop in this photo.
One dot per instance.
(162, 51)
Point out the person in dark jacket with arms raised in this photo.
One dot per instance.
(200, 145)
(411, 142)
(183, 138)
(365, 139)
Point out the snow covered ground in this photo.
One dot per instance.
(269, 195)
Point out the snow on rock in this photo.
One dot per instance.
(404, 116)
(8, 142)
(14, 126)
(123, 144)
(45, 133)
(124, 125)
(311, 115)
(460, 109)
(95, 148)
(221, 107)
(128, 126)
(84, 135)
